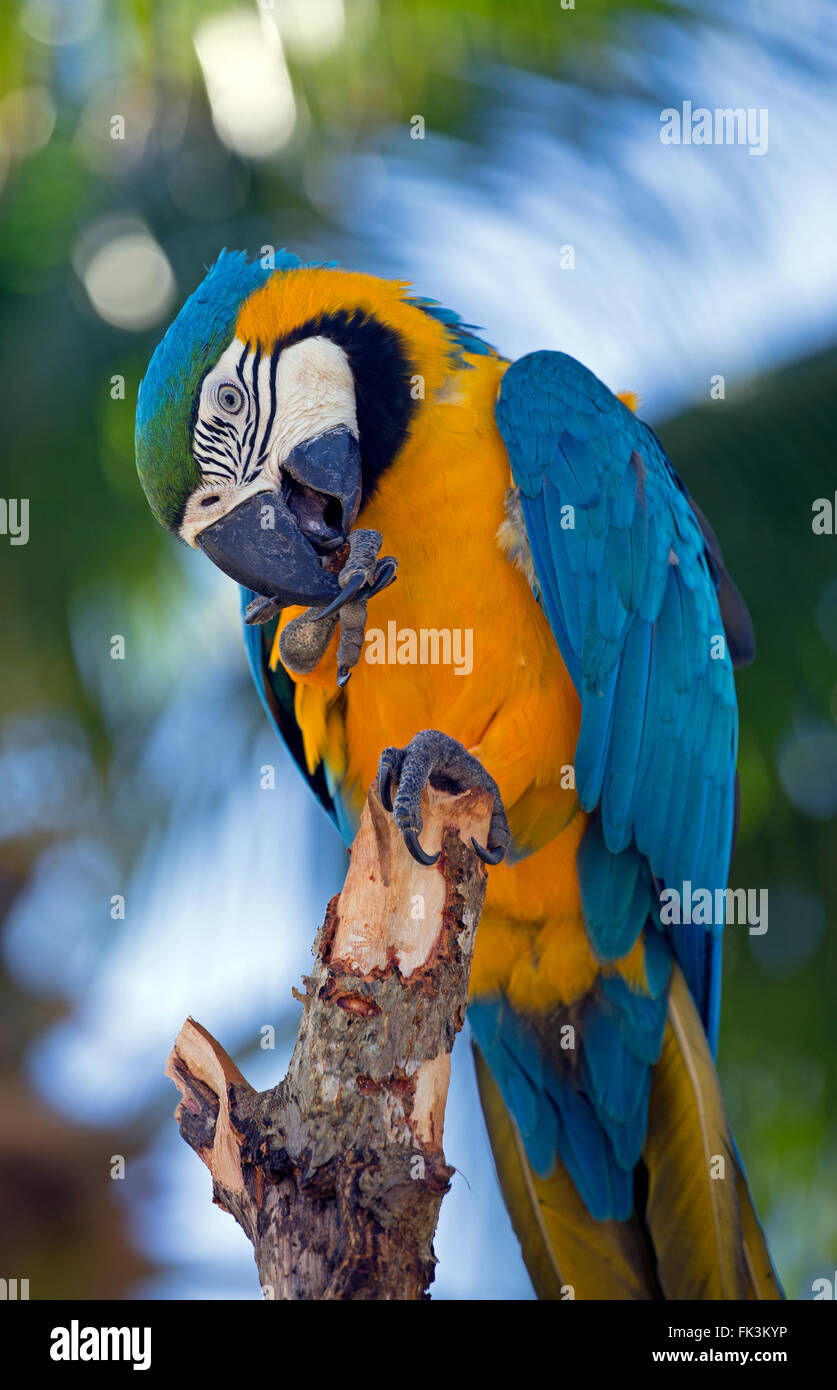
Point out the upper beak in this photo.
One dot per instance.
(272, 543)
(325, 486)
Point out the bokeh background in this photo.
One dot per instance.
(290, 124)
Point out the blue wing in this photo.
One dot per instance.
(276, 691)
(630, 587)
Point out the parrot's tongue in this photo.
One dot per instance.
(317, 516)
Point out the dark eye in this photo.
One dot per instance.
(230, 397)
(209, 501)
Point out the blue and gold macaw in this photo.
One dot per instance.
(291, 407)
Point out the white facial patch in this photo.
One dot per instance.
(254, 409)
(315, 392)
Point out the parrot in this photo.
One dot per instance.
(297, 418)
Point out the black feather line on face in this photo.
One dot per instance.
(382, 369)
(265, 439)
(253, 422)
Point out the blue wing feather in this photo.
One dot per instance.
(276, 692)
(630, 592)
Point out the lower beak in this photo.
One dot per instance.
(273, 542)
(260, 545)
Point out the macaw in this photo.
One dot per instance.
(525, 504)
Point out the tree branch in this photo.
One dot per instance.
(337, 1174)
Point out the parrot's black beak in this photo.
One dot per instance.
(260, 545)
(273, 542)
(323, 486)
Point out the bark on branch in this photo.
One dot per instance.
(337, 1174)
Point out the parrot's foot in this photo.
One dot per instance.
(362, 576)
(303, 642)
(435, 758)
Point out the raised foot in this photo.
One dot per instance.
(433, 757)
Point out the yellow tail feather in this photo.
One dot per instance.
(707, 1241)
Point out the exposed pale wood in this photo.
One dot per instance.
(337, 1174)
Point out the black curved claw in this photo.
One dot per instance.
(261, 610)
(387, 571)
(336, 603)
(411, 840)
(489, 856)
(343, 674)
(385, 786)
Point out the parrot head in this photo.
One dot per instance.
(273, 405)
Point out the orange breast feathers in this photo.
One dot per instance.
(498, 684)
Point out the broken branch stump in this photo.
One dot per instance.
(337, 1174)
